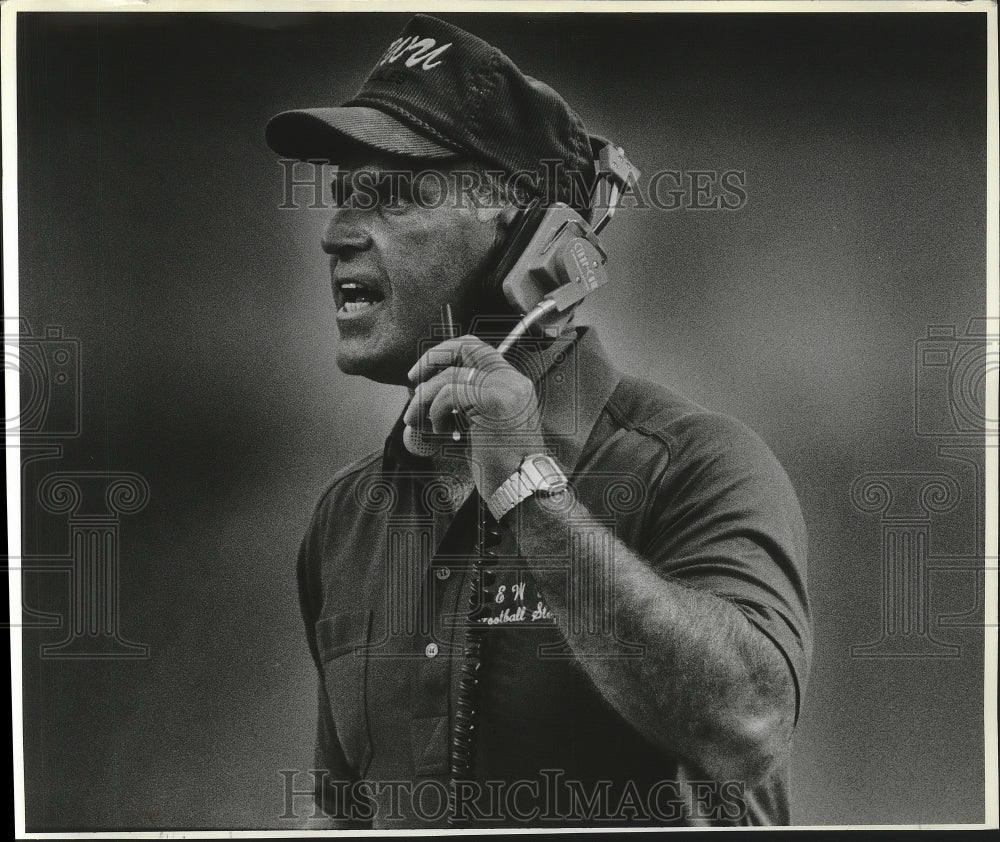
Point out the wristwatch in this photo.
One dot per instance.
(537, 474)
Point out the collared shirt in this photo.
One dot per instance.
(384, 573)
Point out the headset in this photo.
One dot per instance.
(551, 260)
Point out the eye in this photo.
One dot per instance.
(341, 189)
(369, 189)
(394, 191)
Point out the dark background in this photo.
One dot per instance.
(150, 231)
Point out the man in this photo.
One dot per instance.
(629, 646)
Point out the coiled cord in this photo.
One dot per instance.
(463, 738)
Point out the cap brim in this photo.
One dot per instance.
(328, 133)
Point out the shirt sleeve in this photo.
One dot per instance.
(332, 774)
(724, 517)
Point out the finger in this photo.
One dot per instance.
(453, 406)
(425, 393)
(433, 360)
(442, 408)
(468, 351)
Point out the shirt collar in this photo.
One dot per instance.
(574, 378)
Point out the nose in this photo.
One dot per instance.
(346, 233)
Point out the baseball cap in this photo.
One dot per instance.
(440, 93)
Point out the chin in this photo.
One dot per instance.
(380, 368)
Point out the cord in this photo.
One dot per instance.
(471, 675)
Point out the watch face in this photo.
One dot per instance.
(550, 478)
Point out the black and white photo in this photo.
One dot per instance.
(501, 418)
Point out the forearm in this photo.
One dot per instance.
(708, 686)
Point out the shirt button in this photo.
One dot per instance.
(443, 573)
(430, 650)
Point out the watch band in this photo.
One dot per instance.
(537, 474)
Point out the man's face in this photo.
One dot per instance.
(395, 259)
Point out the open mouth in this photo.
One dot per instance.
(356, 297)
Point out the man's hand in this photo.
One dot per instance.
(497, 405)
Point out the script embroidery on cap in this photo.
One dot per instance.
(422, 52)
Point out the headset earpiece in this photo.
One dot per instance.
(520, 231)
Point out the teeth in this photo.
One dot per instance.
(355, 306)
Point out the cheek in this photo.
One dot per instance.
(437, 263)
(471, 241)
